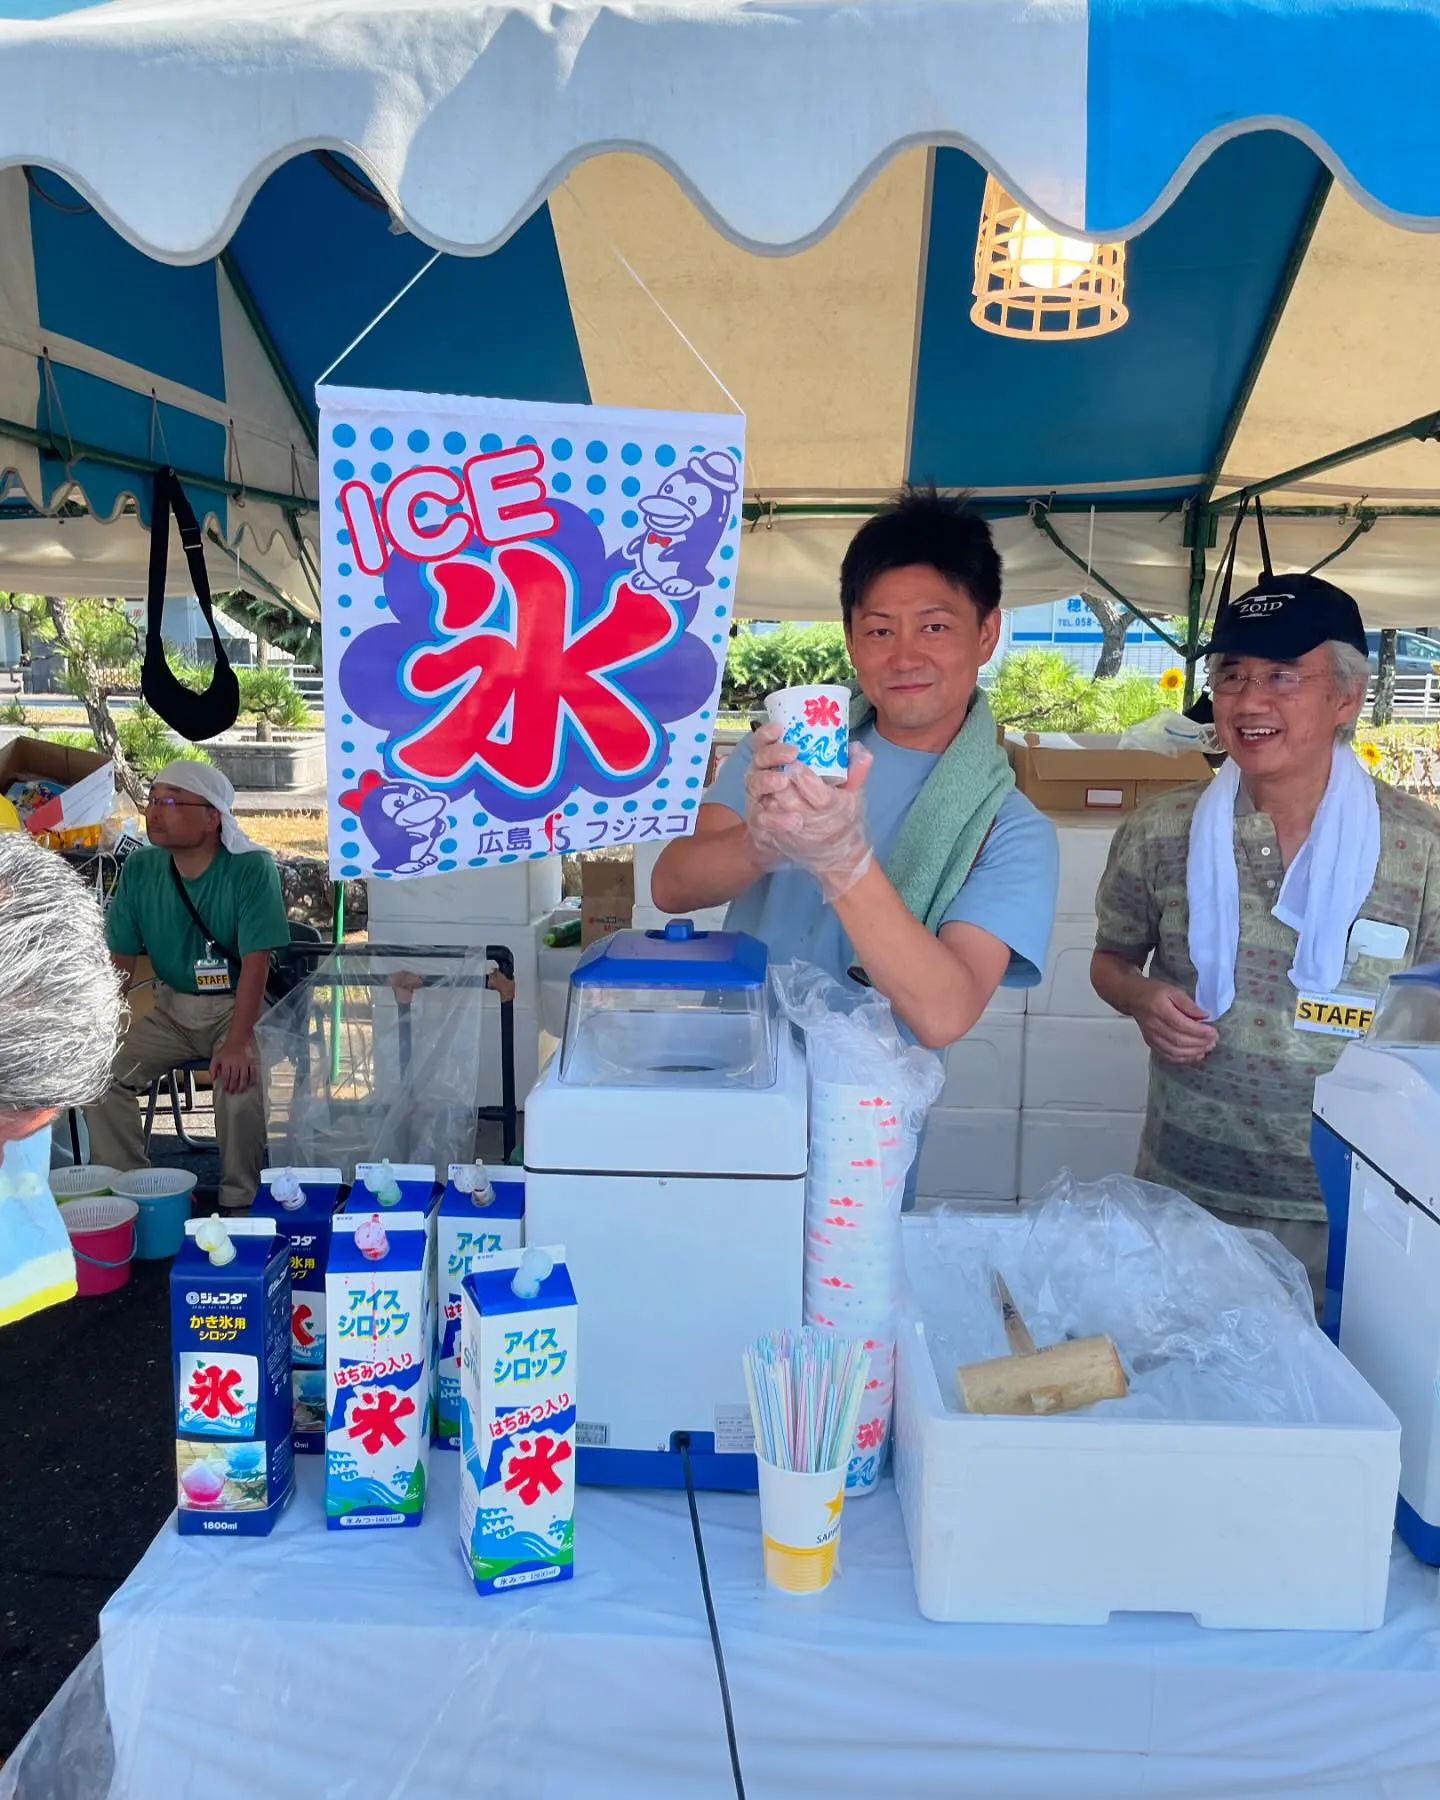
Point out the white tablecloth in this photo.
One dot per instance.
(319, 1665)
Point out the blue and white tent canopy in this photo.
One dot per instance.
(203, 201)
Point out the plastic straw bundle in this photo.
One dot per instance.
(806, 1389)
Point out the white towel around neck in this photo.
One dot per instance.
(1320, 897)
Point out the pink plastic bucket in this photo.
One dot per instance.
(102, 1235)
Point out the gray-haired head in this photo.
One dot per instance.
(1349, 669)
(60, 1005)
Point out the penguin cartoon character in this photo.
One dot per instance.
(401, 819)
(685, 519)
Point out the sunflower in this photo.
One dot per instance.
(1369, 754)
(1171, 681)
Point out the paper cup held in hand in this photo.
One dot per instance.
(800, 1526)
(816, 721)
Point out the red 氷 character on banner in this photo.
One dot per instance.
(514, 691)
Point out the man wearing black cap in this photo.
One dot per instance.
(1248, 924)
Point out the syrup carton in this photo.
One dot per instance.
(383, 1186)
(230, 1343)
(301, 1202)
(379, 1348)
(477, 1217)
(517, 1420)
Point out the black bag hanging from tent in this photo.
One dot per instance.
(194, 716)
(1202, 710)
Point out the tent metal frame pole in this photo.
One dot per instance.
(1201, 514)
(250, 307)
(1040, 519)
(1195, 600)
(74, 451)
(1420, 430)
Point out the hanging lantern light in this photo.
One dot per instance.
(1032, 282)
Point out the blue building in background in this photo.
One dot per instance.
(1070, 627)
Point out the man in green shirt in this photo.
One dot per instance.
(203, 903)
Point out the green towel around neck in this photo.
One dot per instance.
(951, 815)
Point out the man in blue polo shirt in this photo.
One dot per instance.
(925, 875)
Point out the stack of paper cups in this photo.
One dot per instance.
(860, 1153)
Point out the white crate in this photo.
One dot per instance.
(646, 857)
(1066, 988)
(969, 1155)
(984, 1068)
(1090, 1065)
(1009, 1001)
(1089, 1144)
(1064, 1521)
(448, 904)
(1084, 850)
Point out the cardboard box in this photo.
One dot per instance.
(32, 759)
(1089, 772)
(607, 897)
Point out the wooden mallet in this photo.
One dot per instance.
(1058, 1379)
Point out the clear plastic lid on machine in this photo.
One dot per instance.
(677, 1008)
(1407, 1013)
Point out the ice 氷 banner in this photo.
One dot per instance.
(525, 611)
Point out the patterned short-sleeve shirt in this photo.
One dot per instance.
(1233, 1131)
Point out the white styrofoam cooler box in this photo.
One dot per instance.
(984, 1068)
(1084, 842)
(1089, 1144)
(1066, 1520)
(1065, 988)
(1090, 1064)
(969, 1154)
(514, 893)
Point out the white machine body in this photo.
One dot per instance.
(1383, 1102)
(681, 1204)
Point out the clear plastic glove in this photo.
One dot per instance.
(794, 817)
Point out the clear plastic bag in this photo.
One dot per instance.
(376, 1055)
(869, 1091)
(1211, 1323)
(1169, 733)
(851, 1038)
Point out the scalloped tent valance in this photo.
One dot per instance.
(228, 192)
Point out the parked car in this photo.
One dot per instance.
(1415, 654)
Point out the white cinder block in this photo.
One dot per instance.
(646, 857)
(969, 1155)
(1089, 1144)
(984, 1068)
(1084, 849)
(514, 892)
(1093, 1065)
(1066, 989)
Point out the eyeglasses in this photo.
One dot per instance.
(1279, 684)
(170, 800)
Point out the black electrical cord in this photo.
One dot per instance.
(682, 1444)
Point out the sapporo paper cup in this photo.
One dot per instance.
(800, 1526)
(816, 721)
